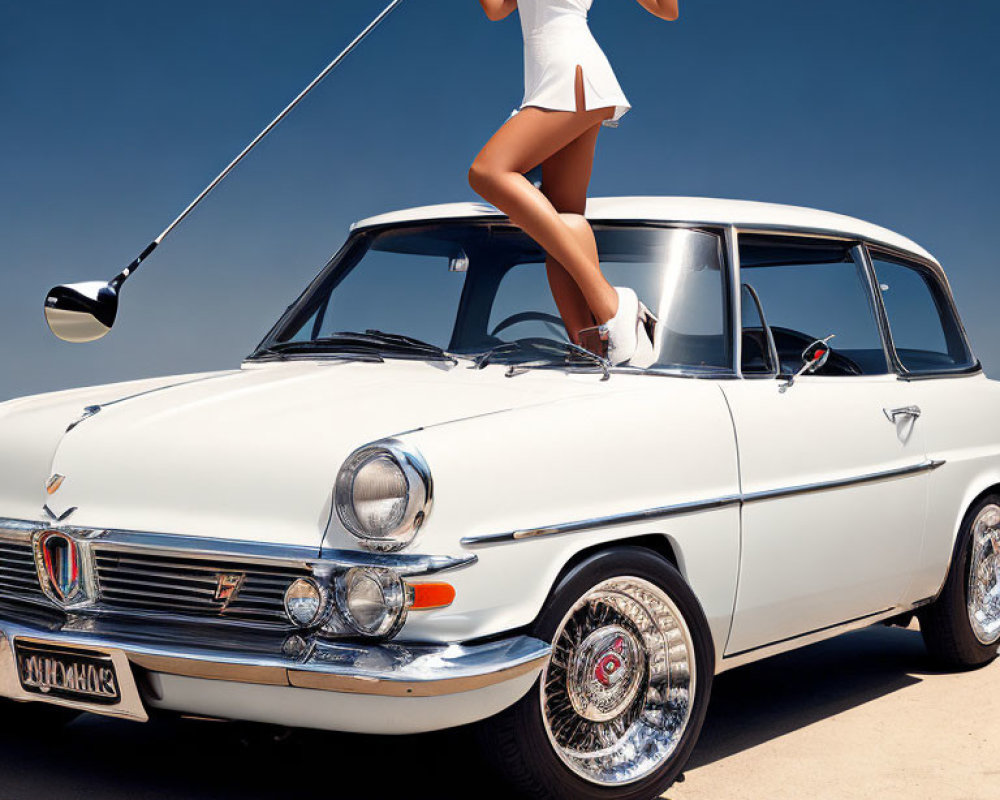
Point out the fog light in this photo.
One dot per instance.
(304, 602)
(372, 601)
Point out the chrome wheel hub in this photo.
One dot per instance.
(606, 673)
(984, 576)
(618, 690)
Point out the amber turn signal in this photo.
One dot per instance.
(431, 595)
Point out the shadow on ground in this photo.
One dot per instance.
(92, 757)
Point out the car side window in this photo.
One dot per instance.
(926, 333)
(808, 289)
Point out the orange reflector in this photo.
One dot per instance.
(432, 595)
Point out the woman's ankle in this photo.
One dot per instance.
(608, 308)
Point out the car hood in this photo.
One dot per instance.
(244, 454)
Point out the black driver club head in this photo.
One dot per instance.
(81, 312)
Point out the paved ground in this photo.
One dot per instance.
(861, 716)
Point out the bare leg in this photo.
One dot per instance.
(523, 141)
(565, 177)
(573, 308)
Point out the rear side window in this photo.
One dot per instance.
(809, 289)
(927, 335)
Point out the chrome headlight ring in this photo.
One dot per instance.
(383, 494)
(372, 601)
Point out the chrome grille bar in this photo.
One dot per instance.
(175, 584)
(18, 576)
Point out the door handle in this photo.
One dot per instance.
(902, 411)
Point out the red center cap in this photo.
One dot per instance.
(610, 663)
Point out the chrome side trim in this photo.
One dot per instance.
(394, 670)
(406, 564)
(600, 522)
(768, 494)
(695, 506)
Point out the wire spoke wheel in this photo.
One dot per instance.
(984, 576)
(618, 691)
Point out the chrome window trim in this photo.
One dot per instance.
(945, 288)
(723, 501)
(861, 257)
(740, 227)
(731, 238)
(772, 348)
(406, 564)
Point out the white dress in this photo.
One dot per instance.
(556, 39)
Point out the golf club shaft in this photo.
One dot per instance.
(131, 268)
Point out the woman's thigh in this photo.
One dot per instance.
(534, 134)
(566, 173)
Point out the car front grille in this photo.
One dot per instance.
(177, 585)
(18, 577)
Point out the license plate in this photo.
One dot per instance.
(67, 673)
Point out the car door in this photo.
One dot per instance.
(832, 467)
(956, 402)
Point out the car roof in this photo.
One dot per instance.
(689, 210)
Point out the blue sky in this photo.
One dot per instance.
(115, 114)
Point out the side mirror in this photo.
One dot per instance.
(813, 357)
(81, 312)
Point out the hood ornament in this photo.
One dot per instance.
(52, 485)
(58, 517)
(88, 412)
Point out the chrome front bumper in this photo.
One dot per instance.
(387, 670)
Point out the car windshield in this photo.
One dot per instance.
(456, 289)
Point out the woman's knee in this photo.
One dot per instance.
(577, 223)
(482, 176)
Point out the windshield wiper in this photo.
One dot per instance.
(372, 343)
(281, 351)
(565, 349)
(409, 342)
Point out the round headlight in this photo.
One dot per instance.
(304, 603)
(372, 601)
(378, 496)
(383, 494)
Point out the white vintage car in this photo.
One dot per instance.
(415, 505)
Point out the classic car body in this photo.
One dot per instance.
(794, 507)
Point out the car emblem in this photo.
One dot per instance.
(57, 560)
(227, 587)
(52, 484)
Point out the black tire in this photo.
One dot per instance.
(946, 624)
(517, 740)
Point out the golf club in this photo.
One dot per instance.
(84, 312)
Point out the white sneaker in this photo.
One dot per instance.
(623, 327)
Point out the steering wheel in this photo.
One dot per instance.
(527, 316)
(786, 339)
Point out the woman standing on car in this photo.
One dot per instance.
(570, 90)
